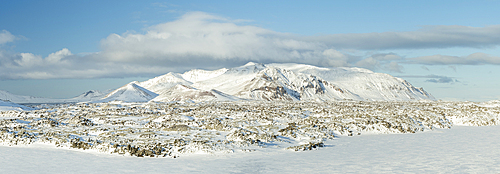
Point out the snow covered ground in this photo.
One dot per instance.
(7, 106)
(253, 137)
(462, 149)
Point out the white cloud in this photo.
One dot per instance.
(384, 61)
(369, 63)
(435, 78)
(428, 37)
(199, 38)
(57, 56)
(200, 35)
(386, 56)
(195, 40)
(6, 37)
(394, 67)
(472, 59)
(29, 60)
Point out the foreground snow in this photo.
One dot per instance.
(462, 149)
(8, 106)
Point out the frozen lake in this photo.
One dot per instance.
(461, 149)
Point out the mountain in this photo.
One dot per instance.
(255, 81)
(187, 93)
(364, 83)
(164, 82)
(268, 82)
(7, 96)
(261, 82)
(91, 95)
(7, 106)
(130, 92)
(197, 75)
(291, 82)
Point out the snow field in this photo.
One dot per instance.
(462, 149)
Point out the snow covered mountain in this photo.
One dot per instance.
(91, 95)
(164, 82)
(254, 81)
(7, 96)
(197, 75)
(291, 82)
(261, 82)
(183, 93)
(364, 83)
(130, 92)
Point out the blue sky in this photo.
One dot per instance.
(60, 49)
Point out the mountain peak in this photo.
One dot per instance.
(250, 67)
(130, 92)
(197, 75)
(254, 64)
(91, 93)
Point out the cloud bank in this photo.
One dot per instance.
(201, 37)
(427, 37)
(201, 40)
(435, 78)
(195, 40)
(472, 59)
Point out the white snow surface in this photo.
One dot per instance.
(7, 106)
(253, 137)
(462, 149)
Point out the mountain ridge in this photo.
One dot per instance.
(255, 81)
(289, 81)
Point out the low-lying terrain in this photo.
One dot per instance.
(173, 129)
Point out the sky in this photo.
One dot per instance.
(60, 49)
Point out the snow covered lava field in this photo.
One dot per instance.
(177, 129)
(462, 149)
